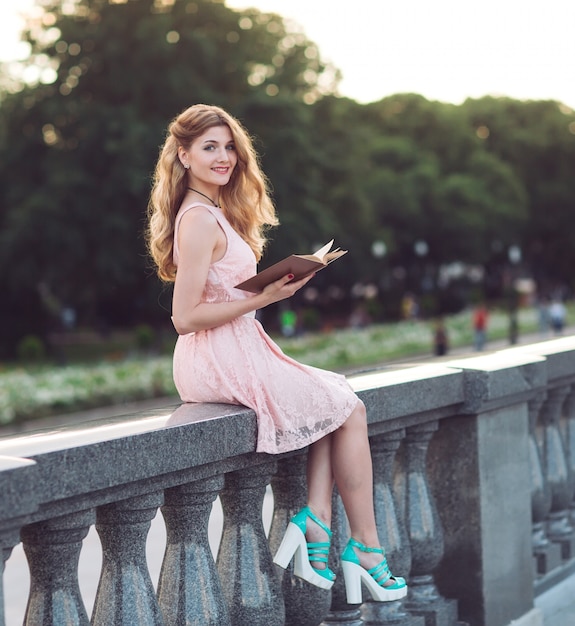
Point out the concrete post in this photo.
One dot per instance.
(53, 551)
(247, 573)
(305, 604)
(557, 472)
(125, 592)
(390, 517)
(425, 533)
(189, 590)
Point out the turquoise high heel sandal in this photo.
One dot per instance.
(294, 545)
(374, 579)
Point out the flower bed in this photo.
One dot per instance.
(28, 394)
(48, 391)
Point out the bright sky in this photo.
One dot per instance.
(446, 50)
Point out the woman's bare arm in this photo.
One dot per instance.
(201, 242)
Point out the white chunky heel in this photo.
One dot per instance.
(374, 579)
(294, 545)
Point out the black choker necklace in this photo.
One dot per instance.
(206, 197)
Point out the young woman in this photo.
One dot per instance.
(208, 210)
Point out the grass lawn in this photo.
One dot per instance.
(28, 392)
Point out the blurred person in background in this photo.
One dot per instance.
(480, 319)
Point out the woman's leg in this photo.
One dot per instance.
(320, 476)
(353, 472)
(320, 483)
(345, 456)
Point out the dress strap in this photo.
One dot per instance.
(215, 212)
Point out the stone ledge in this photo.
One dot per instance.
(17, 477)
(501, 379)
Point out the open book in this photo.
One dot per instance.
(300, 265)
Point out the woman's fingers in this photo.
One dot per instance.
(286, 286)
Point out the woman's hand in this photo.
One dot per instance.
(284, 288)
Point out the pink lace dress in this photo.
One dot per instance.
(238, 363)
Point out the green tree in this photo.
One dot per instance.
(77, 150)
(536, 139)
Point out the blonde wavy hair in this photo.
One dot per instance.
(244, 199)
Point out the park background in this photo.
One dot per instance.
(448, 204)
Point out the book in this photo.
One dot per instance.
(300, 265)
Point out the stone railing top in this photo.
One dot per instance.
(559, 353)
(17, 479)
(125, 455)
(496, 379)
(397, 398)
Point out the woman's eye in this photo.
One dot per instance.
(209, 148)
(231, 146)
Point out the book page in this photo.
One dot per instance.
(323, 250)
(332, 256)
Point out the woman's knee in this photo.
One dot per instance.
(358, 417)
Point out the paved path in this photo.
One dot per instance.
(558, 604)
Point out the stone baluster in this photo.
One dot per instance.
(189, 590)
(8, 539)
(52, 548)
(559, 527)
(249, 581)
(305, 604)
(393, 536)
(125, 592)
(6, 551)
(19, 499)
(391, 530)
(425, 532)
(569, 407)
(547, 555)
(341, 613)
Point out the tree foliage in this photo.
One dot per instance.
(87, 141)
(537, 141)
(78, 145)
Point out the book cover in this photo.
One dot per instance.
(300, 265)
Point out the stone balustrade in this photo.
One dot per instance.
(474, 465)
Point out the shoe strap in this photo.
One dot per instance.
(318, 552)
(380, 573)
(319, 522)
(362, 547)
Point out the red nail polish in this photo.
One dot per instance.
(290, 276)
